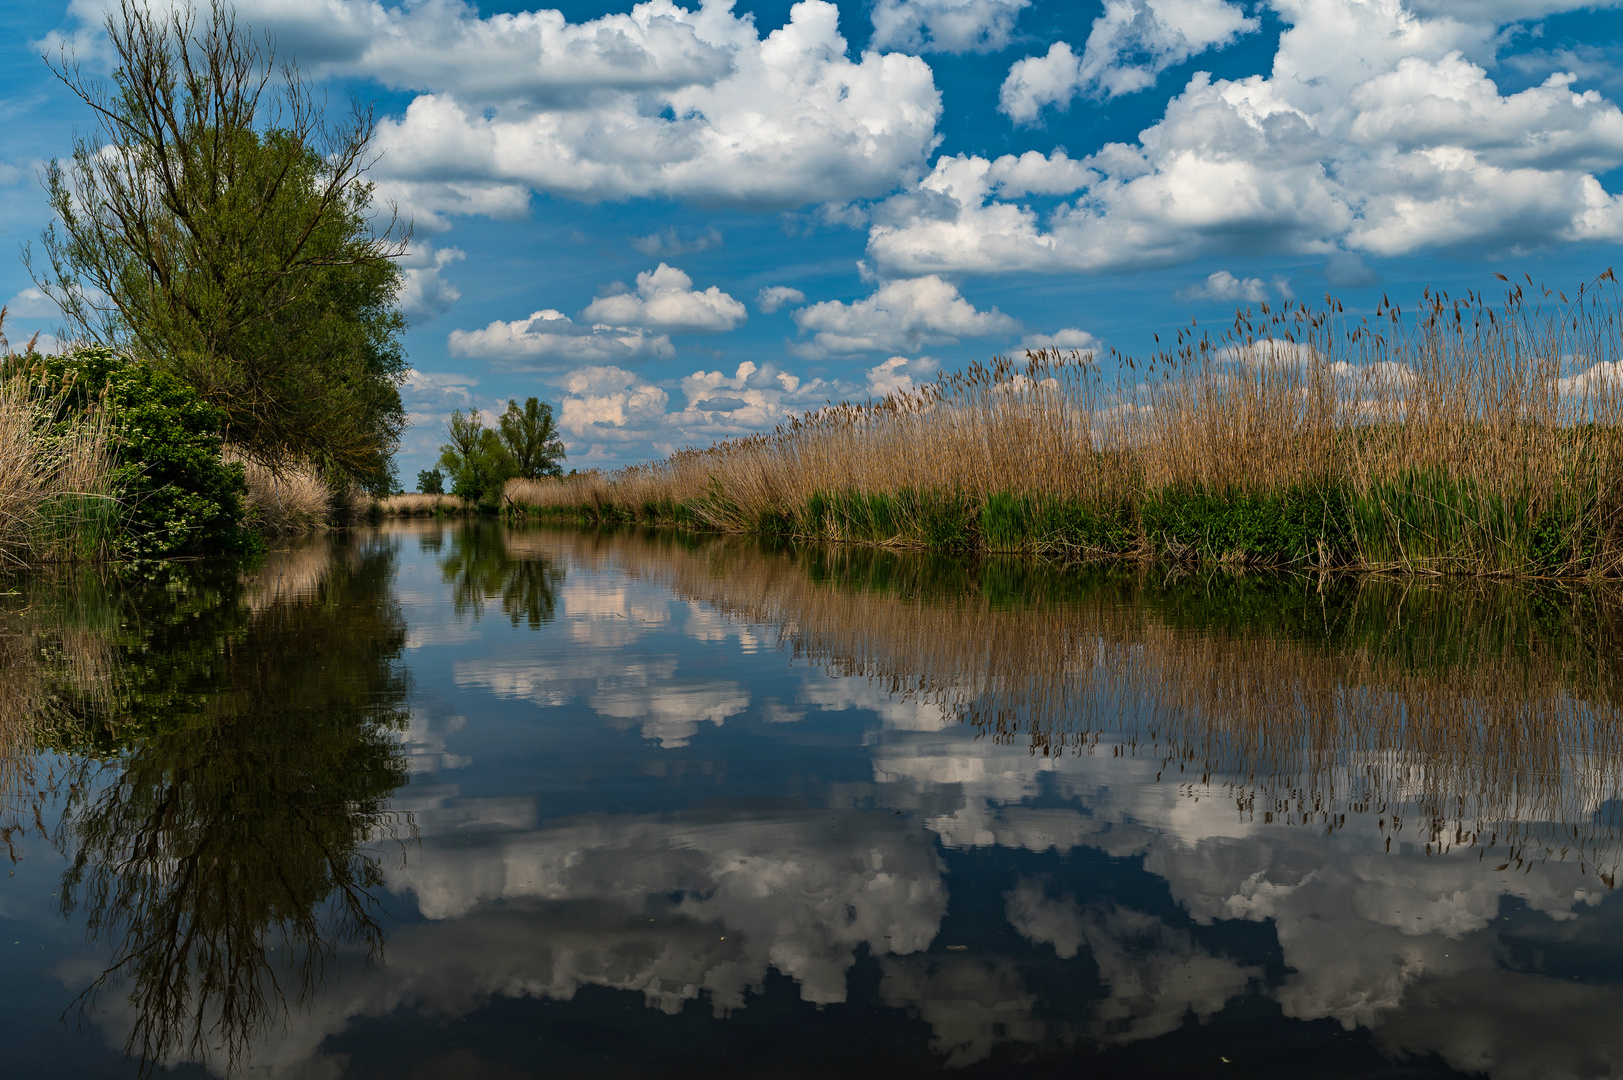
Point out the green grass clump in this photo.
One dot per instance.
(1306, 524)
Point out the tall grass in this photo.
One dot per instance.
(289, 497)
(416, 504)
(57, 500)
(1464, 437)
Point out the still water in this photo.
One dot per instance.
(463, 801)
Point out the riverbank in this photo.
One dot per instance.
(135, 467)
(1471, 438)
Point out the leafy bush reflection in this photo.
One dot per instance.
(229, 758)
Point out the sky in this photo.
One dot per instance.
(679, 224)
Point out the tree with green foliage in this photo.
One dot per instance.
(178, 496)
(217, 227)
(475, 459)
(431, 482)
(532, 439)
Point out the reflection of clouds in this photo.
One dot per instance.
(971, 1003)
(672, 713)
(610, 614)
(804, 891)
(623, 692)
(1512, 1026)
(430, 621)
(901, 712)
(707, 624)
(1361, 927)
(424, 740)
(547, 683)
(673, 910)
(1156, 974)
(1044, 920)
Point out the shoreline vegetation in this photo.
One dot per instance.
(1468, 438)
(231, 305)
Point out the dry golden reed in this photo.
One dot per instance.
(416, 504)
(287, 498)
(57, 502)
(1463, 436)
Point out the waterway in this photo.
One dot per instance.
(462, 800)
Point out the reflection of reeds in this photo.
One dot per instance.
(43, 647)
(1466, 437)
(1471, 716)
(289, 575)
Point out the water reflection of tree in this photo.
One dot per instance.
(481, 567)
(225, 821)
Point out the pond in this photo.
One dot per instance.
(474, 801)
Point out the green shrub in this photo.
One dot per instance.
(179, 497)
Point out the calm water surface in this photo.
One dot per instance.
(446, 801)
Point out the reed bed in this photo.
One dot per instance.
(57, 502)
(415, 504)
(287, 497)
(1464, 437)
(1486, 717)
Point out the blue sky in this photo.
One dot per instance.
(679, 224)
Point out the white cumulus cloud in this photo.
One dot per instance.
(773, 297)
(666, 300)
(1067, 339)
(945, 26)
(609, 413)
(1377, 131)
(552, 336)
(423, 291)
(665, 102)
(31, 303)
(903, 316)
(1129, 45)
(899, 374)
(1222, 285)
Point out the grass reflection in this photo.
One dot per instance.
(1457, 714)
(226, 746)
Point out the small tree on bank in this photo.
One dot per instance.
(475, 460)
(532, 439)
(219, 228)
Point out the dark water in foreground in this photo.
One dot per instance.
(466, 802)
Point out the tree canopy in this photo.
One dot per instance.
(475, 460)
(217, 226)
(532, 439)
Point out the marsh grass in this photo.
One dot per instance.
(1464, 437)
(57, 499)
(416, 504)
(1455, 714)
(290, 497)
